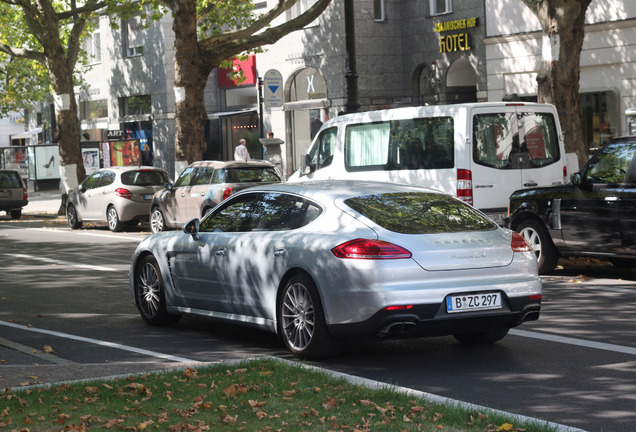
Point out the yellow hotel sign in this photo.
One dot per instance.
(455, 42)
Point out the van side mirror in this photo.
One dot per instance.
(306, 167)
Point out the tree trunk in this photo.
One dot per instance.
(191, 75)
(563, 23)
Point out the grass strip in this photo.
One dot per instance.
(259, 395)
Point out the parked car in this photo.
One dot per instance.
(595, 215)
(321, 262)
(13, 193)
(203, 185)
(120, 196)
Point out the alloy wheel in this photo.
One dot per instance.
(298, 316)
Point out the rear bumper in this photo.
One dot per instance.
(433, 320)
(12, 205)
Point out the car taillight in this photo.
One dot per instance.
(519, 244)
(124, 193)
(565, 174)
(226, 193)
(400, 307)
(369, 249)
(465, 185)
(25, 194)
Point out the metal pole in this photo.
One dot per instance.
(352, 105)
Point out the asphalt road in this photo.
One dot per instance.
(68, 290)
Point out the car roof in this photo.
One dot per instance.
(338, 189)
(130, 168)
(231, 164)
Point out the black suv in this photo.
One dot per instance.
(594, 215)
(13, 193)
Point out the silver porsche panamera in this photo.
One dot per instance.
(323, 262)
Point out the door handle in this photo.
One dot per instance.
(279, 253)
(220, 252)
(531, 183)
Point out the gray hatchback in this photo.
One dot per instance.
(13, 193)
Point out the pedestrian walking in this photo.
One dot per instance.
(240, 152)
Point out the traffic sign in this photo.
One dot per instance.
(273, 88)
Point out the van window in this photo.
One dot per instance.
(515, 140)
(321, 155)
(423, 143)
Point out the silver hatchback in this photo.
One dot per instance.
(120, 196)
(323, 262)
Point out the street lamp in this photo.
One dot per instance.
(352, 105)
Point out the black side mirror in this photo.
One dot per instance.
(306, 167)
(169, 187)
(192, 228)
(576, 179)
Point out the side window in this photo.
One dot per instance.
(108, 178)
(203, 176)
(367, 146)
(282, 212)
(612, 164)
(219, 176)
(92, 181)
(495, 138)
(235, 216)
(185, 179)
(423, 143)
(322, 154)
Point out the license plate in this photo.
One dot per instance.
(473, 302)
(5, 194)
(148, 197)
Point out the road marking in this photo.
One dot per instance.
(34, 353)
(101, 343)
(111, 236)
(573, 341)
(66, 263)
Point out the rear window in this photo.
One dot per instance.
(144, 178)
(246, 175)
(420, 213)
(10, 180)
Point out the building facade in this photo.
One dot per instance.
(514, 47)
(407, 52)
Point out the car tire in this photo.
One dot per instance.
(72, 218)
(301, 321)
(482, 338)
(157, 220)
(536, 234)
(112, 217)
(15, 214)
(206, 211)
(150, 296)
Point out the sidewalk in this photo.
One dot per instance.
(43, 202)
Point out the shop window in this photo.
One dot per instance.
(93, 109)
(135, 105)
(599, 117)
(308, 84)
(439, 7)
(133, 37)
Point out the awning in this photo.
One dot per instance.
(306, 104)
(220, 114)
(27, 134)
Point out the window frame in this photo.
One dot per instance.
(448, 7)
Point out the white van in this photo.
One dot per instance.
(479, 152)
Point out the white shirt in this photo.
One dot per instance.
(241, 153)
